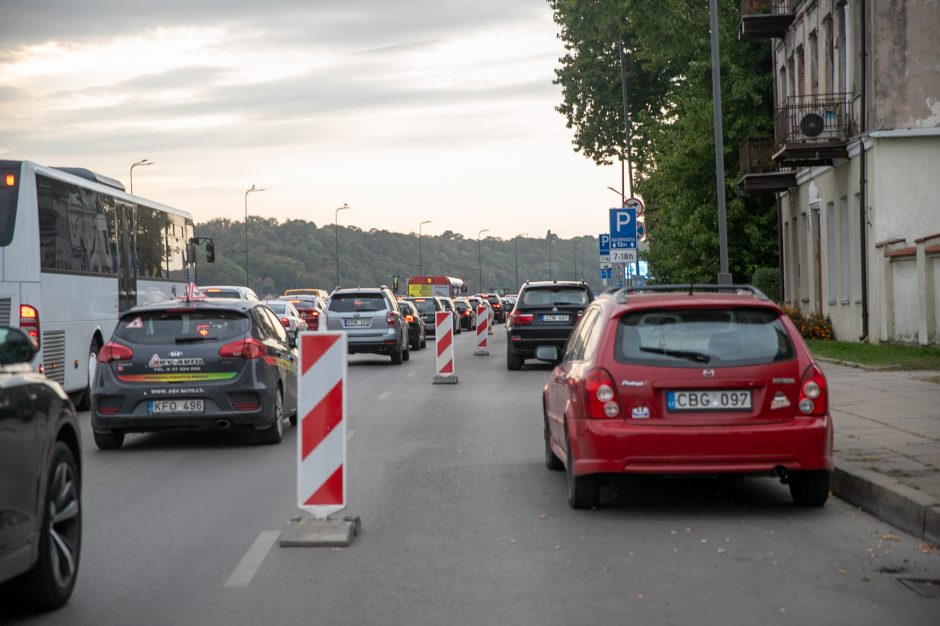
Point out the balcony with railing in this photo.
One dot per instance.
(759, 172)
(761, 19)
(813, 129)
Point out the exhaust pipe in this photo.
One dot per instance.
(223, 424)
(782, 474)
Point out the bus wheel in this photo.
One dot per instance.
(84, 403)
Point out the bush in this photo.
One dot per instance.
(815, 326)
(767, 279)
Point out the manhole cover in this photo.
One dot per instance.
(924, 587)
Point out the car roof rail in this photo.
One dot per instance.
(621, 293)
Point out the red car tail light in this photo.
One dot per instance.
(285, 322)
(601, 394)
(29, 322)
(409, 318)
(813, 394)
(246, 349)
(390, 318)
(110, 405)
(245, 401)
(497, 306)
(466, 313)
(113, 351)
(521, 319)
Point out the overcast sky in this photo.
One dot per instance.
(407, 110)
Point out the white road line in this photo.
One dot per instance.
(410, 374)
(384, 395)
(350, 434)
(245, 570)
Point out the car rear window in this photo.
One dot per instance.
(425, 305)
(461, 306)
(278, 307)
(222, 293)
(356, 303)
(555, 296)
(726, 337)
(181, 326)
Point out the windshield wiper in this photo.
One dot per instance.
(682, 354)
(192, 339)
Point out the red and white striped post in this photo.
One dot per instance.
(444, 340)
(321, 408)
(483, 326)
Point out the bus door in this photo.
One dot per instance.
(126, 222)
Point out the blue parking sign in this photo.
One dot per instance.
(603, 241)
(623, 228)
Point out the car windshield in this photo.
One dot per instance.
(170, 326)
(560, 296)
(356, 303)
(425, 305)
(222, 293)
(724, 337)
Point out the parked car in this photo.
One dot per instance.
(545, 314)
(311, 308)
(40, 482)
(195, 363)
(687, 380)
(466, 313)
(417, 329)
(372, 320)
(448, 305)
(289, 316)
(229, 291)
(427, 307)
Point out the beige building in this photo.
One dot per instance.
(854, 160)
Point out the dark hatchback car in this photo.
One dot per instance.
(499, 309)
(545, 314)
(40, 483)
(417, 329)
(195, 363)
(427, 307)
(466, 314)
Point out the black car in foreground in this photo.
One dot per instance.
(40, 483)
(417, 329)
(195, 363)
(427, 307)
(544, 315)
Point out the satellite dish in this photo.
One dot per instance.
(812, 124)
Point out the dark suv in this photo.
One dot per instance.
(545, 314)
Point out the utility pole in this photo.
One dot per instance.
(724, 277)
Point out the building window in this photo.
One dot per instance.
(800, 72)
(813, 64)
(831, 278)
(841, 64)
(844, 247)
(803, 288)
(828, 53)
(857, 246)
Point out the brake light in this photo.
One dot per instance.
(315, 314)
(466, 313)
(601, 394)
(391, 319)
(246, 349)
(497, 306)
(520, 319)
(29, 322)
(410, 318)
(113, 351)
(10, 180)
(285, 322)
(813, 394)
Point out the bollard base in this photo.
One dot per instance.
(445, 380)
(309, 532)
(481, 353)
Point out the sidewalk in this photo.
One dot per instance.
(887, 444)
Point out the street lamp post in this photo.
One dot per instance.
(550, 274)
(253, 188)
(480, 254)
(517, 256)
(336, 232)
(419, 244)
(141, 162)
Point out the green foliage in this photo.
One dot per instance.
(767, 279)
(670, 98)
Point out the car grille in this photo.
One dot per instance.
(4, 311)
(53, 355)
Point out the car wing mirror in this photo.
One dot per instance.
(547, 353)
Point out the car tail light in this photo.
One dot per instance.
(580, 313)
(246, 349)
(520, 319)
(813, 394)
(245, 401)
(497, 306)
(285, 322)
(391, 319)
(410, 318)
(29, 322)
(110, 405)
(466, 313)
(113, 351)
(601, 394)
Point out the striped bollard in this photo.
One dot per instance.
(321, 443)
(483, 325)
(444, 340)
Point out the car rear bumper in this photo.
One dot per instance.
(525, 345)
(602, 446)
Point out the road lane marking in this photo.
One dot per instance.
(410, 374)
(245, 570)
(384, 395)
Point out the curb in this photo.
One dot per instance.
(908, 509)
(867, 368)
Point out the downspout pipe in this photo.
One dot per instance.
(862, 181)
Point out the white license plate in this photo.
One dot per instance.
(171, 407)
(356, 323)
(717, 400)
(554, 318)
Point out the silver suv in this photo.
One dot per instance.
(372, 320)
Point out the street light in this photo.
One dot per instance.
(141, 162)
(336, 232)
(480, 254)
(623, 198)
(550, 274)
(419, 244)
(517, 255)
(253, 188)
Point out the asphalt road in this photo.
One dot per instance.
(462, 524)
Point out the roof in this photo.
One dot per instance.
(699, 294)
(554, 283)
(208, 303)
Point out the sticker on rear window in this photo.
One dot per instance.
(135, 323)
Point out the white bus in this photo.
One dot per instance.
(76, 251)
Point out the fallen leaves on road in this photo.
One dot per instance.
(841, 571)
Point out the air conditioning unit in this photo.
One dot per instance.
(820, 124)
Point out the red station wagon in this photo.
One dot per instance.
(687, 380)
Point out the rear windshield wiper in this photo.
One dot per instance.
(682, 354)
(193, 339)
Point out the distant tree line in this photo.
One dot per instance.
(297, 253)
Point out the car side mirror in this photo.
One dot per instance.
(547, 353)
(16, 346)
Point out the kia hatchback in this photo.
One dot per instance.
(372, 320)
(196, 363)
(698, 381)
